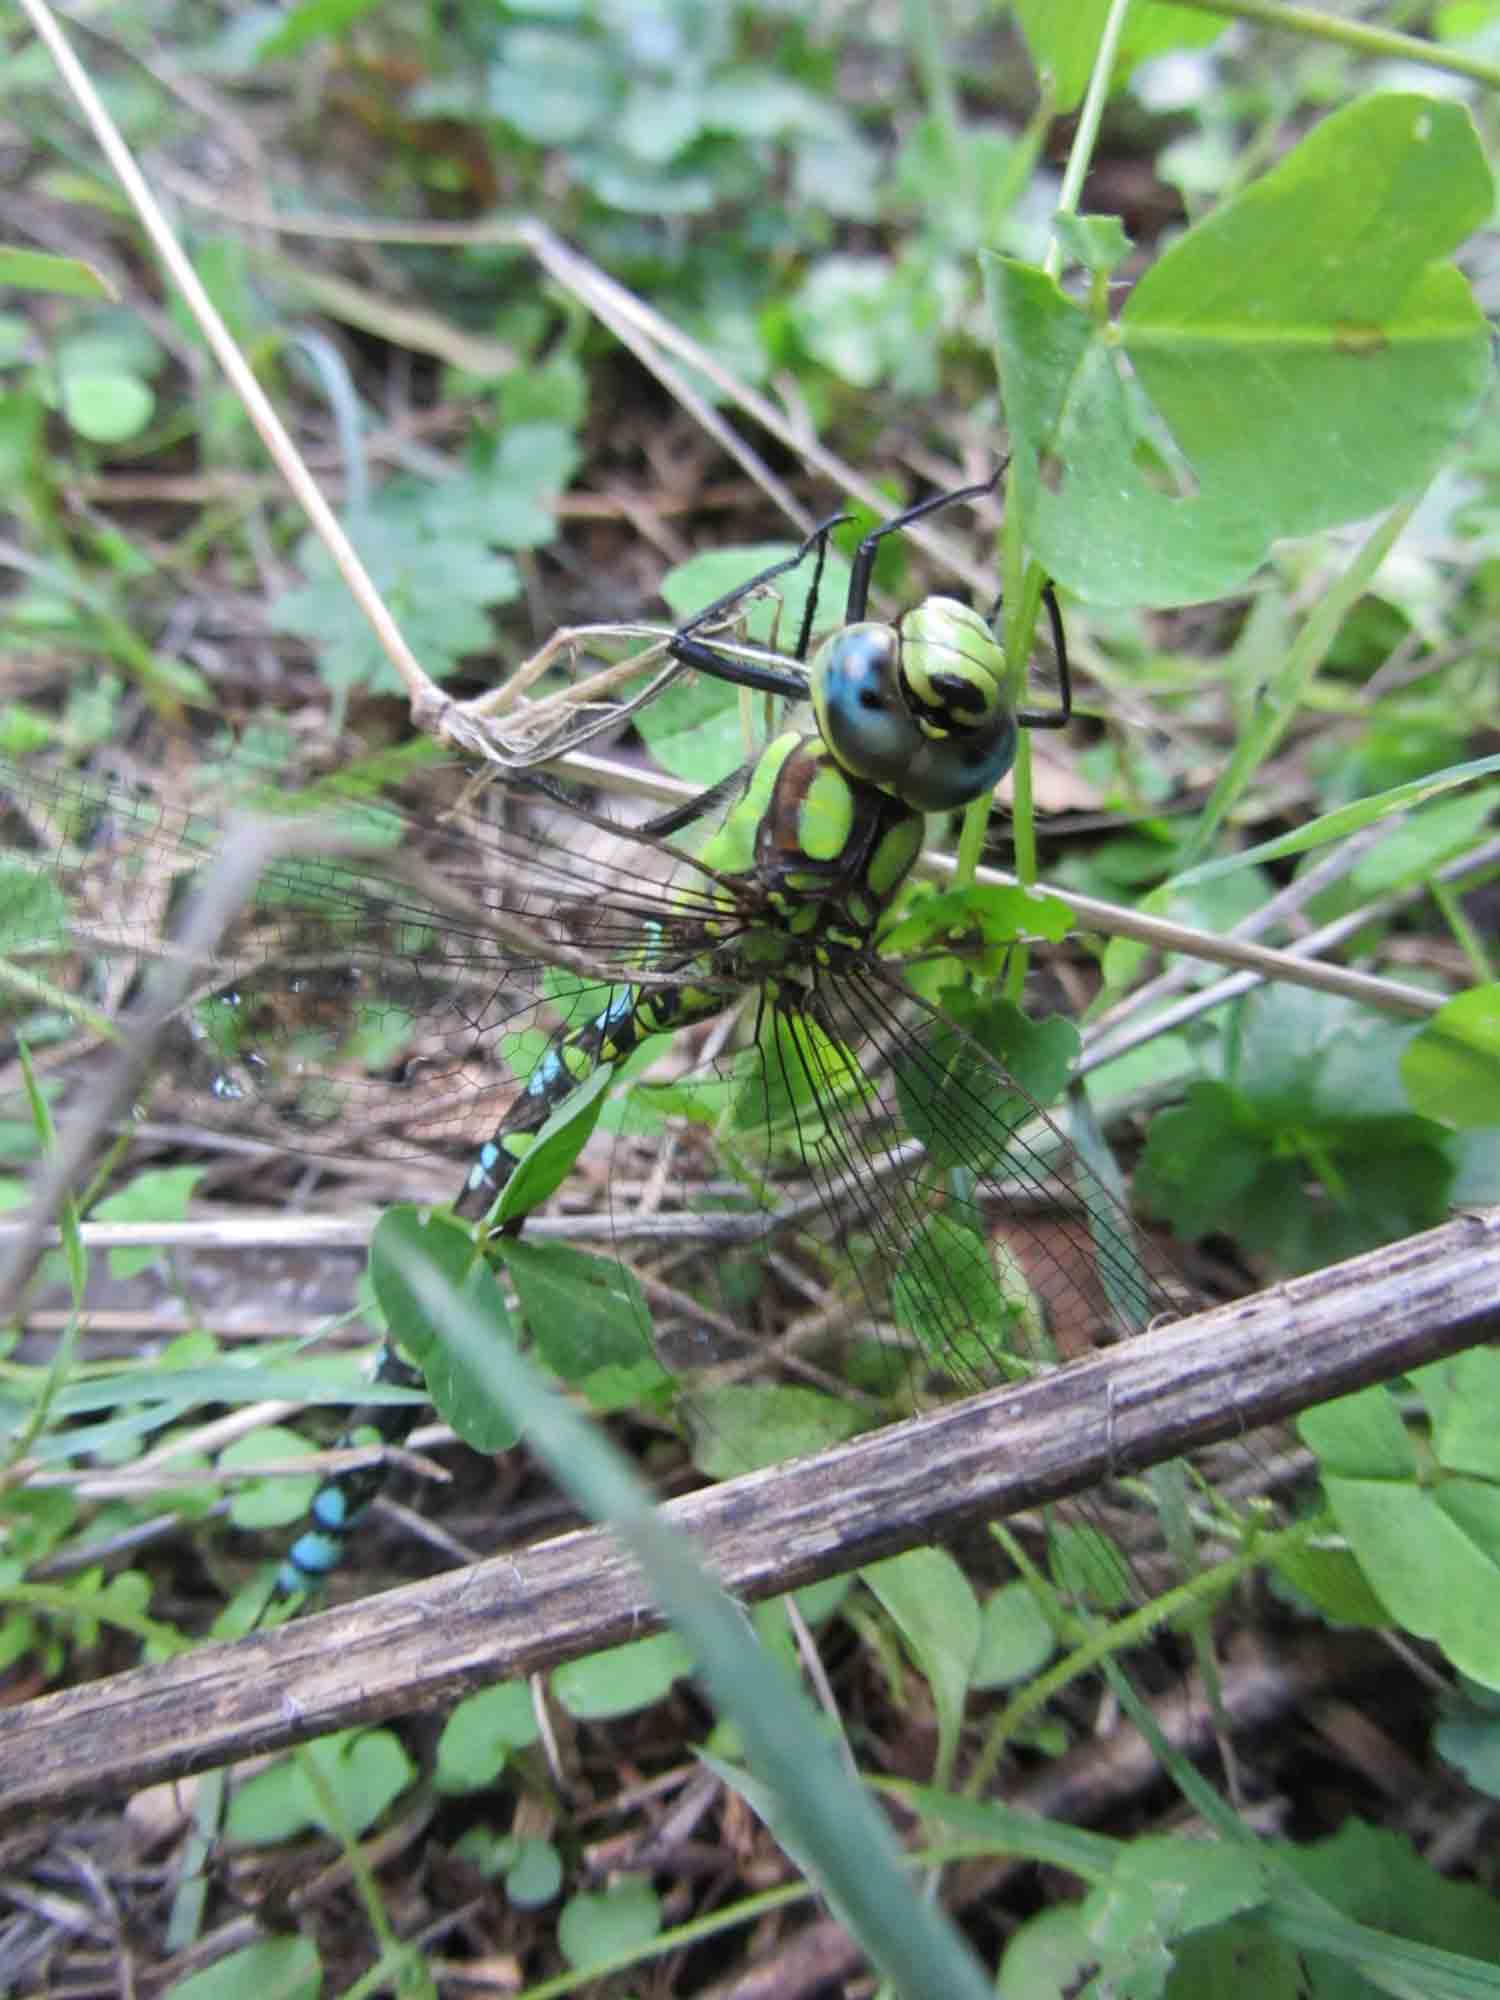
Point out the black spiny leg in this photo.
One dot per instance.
(710, 659)
(863, 566)
(1062, 715)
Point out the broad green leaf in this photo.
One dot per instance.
(41, 271)
(535, 1876)
(932, 1604)
(1462, 1395)
(774, 617)
(961, 1110)
(1470, 1741)
(587, 1317)
(480, 1734)
(366, 1769)
(287, 1967)
(33, 909)
(1451, 1067)
(1015, 1640)
(401, 1236)
(107, 409)
(999, 916)
(1359, 1437)
(695, 729)
(847, 316)
(1064, 41)
(622, 1680)
(622, 1918)
(1300, 358)
(1312, 1101)
(1375, 1876)
(967, 1302)
(274, 1502)
(1431, 1550)
(743, 1426)
(161, 1194)
(311, 21)
(548, 1159)
(407, 536)
(1178, 1886)
(1335, 1583)
(554, 85)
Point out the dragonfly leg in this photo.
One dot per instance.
(864, 556)
(1062, 715)
(692, 651)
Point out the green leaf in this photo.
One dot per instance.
(1470, 1741)
(1064, 41)
(1375, 1877)
(554, 85)
(618, 1920)
(623, 1679)
(997, 915)
(695, 729)
(535, 1876)
(401, 1235)
(1015, 1639)
(1431, 1550)
(274, 1502)
(967, 1302)
(932, 1605)
(409, 533)
(964, 1113)
(773, 617)
(311, 21)
(1306, 1151)
(365, 1769)
(1360, 1437)
(1301, 358)
(107, 409)
(33, 910)
(1125, 1936)
(1332, 1579)
(1462, 1395)
(160, 1194)
(480, 1734)
(1451, 1067)
(548, 1160)
(286, 1967)
(587, 1316)
(743, 1426)
(1403, 863)
(1187, 1885)
(846, 316)
(41, 271)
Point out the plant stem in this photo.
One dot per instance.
(1358, 35)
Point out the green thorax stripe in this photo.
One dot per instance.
(821, 852)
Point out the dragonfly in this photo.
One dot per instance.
(500, 953)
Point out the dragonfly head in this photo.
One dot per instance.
(920, 708)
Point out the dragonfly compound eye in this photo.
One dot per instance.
(856, 693)
(921, 711)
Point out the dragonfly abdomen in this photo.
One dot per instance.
(801, 869)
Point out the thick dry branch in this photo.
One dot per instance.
(1215, 1376)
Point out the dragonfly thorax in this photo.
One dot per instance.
(920, 708)
(818, 853)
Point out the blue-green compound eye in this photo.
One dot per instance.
(918, 708)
